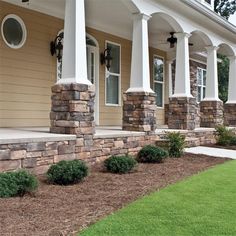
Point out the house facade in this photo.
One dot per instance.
(138, 64)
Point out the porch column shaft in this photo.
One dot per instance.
(232, 80)
(212, 75)
(140, 72)
(182, 76)
(169, 69)
(74, 67)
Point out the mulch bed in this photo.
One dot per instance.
(55, 210)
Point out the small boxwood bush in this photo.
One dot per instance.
(67, 172)
(120, 164)
(151, 154)
(225, 136)
(17, 183)
(176, 144)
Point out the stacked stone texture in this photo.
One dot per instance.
(139, 112)
(72, 110)
(212, 113)
(35, 156)
(230, 114)
(182, 113)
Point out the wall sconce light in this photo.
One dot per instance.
(56, 47)
(106, 58)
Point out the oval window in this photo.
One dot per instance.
(13, 31)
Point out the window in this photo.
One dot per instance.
(13, 31)
(158, 79)
(113, 76)
(201, 82)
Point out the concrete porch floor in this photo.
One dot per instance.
(30, 134)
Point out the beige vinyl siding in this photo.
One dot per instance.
(27, 74)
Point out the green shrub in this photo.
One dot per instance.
(151, 154)
(225, 136)
(18, 183)
(176, 144)
(120, 164)
(67, 172)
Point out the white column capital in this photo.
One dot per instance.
(141, 16)
(181, 35)
(211, 48)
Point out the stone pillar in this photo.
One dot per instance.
(211, 107)
(139, 106)
(182, 104)
(230, 106)
(139, 112)
(73, 110)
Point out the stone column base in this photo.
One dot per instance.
(72, 109)
(182, 112)
(230, 114)
(139, 112)
(212, 113)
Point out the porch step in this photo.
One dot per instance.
(190, 142)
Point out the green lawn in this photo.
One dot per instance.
(204, 204)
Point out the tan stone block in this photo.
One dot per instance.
(66, 157)
(16, 155)
(49, 153)
(79, 142)
(10, 165)
(118, 144)
(5, 154)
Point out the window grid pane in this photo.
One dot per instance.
(112, 89)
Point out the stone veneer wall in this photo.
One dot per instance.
(139, 112)
(230, 114)
(182, 112)
(37, 157)
(212, 113)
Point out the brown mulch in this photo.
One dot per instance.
(56, 210)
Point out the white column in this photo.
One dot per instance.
(182, 73)
(169, 71)
(212, 93)
(232, 80)
(74, 66)
(140, 72)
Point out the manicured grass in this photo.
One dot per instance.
(204, 204)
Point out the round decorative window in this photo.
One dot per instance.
(13, 31)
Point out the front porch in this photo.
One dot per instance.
(36, 149)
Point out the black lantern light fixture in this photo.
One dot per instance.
(56, 47)
(25, 0)
(106, 58)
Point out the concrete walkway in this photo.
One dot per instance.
(216, 152)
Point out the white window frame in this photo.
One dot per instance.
(24, 36)
(159, 82)
(107, 73)
(202, 84)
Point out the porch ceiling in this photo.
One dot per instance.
(114, 17)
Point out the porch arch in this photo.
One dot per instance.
(176, 26)
(205, 38)
(226, 50)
